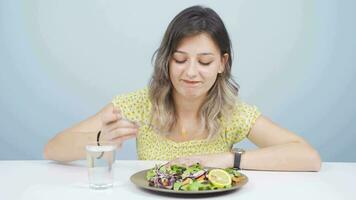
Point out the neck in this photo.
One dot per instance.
(187, 108)
(188, 115)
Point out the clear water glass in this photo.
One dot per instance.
(100, 161)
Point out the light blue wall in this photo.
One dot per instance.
(62, 61)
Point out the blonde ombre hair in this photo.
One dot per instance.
(221, 97)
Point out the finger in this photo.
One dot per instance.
(116, 110)
(115, 127)
(109, 117)
(121, 132)
(126, 123)
(123, 138)
(121, 124)
(113, 113)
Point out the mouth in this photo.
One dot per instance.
(188, 81)
(191, 83)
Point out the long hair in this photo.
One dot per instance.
(222, 95)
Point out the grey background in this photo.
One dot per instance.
(62, 61)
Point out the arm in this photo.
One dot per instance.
(279, 149)
(69, 144)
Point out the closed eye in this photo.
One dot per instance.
(205, 64)
(179, 62)
(183, 61)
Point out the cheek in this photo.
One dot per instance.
(209, 74)
(175, 71)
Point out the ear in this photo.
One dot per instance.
(224, 60)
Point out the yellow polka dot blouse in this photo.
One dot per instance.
(136, 106)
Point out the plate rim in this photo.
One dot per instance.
(184, 192)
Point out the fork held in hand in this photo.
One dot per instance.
(139, 123)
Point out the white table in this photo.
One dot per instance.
(50, 180)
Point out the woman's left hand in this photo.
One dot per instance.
(217, 160)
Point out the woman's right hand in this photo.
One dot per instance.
(115, 128)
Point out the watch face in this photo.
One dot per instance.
(238, 150)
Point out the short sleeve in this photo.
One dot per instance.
(242, 120)
(134, 106)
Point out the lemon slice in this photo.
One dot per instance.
(219, 178)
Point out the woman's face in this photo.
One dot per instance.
(195, 65)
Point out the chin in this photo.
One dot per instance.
(190, 93)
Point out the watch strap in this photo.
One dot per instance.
(237, 160)
(237, 157)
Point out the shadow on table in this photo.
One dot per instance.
(77, 163)
(203, 195)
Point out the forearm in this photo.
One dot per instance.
(294, 156)
(68, 146)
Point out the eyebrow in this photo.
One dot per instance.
(183, 52)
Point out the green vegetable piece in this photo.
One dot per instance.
(163, 169)
(194, 186)
(177, 169)
(233, 171)
(177, 186)
(150, 174)
(193, 168)
(184, 187)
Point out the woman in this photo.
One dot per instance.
(190, 112)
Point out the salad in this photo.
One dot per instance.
(192, 178)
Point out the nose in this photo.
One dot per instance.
(192, 70)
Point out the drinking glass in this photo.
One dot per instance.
(100, 164)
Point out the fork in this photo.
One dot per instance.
(145, 123)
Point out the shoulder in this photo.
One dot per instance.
(138, 96)
(134, 105)
(242, 108)
(243, 114)
(242, 118)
